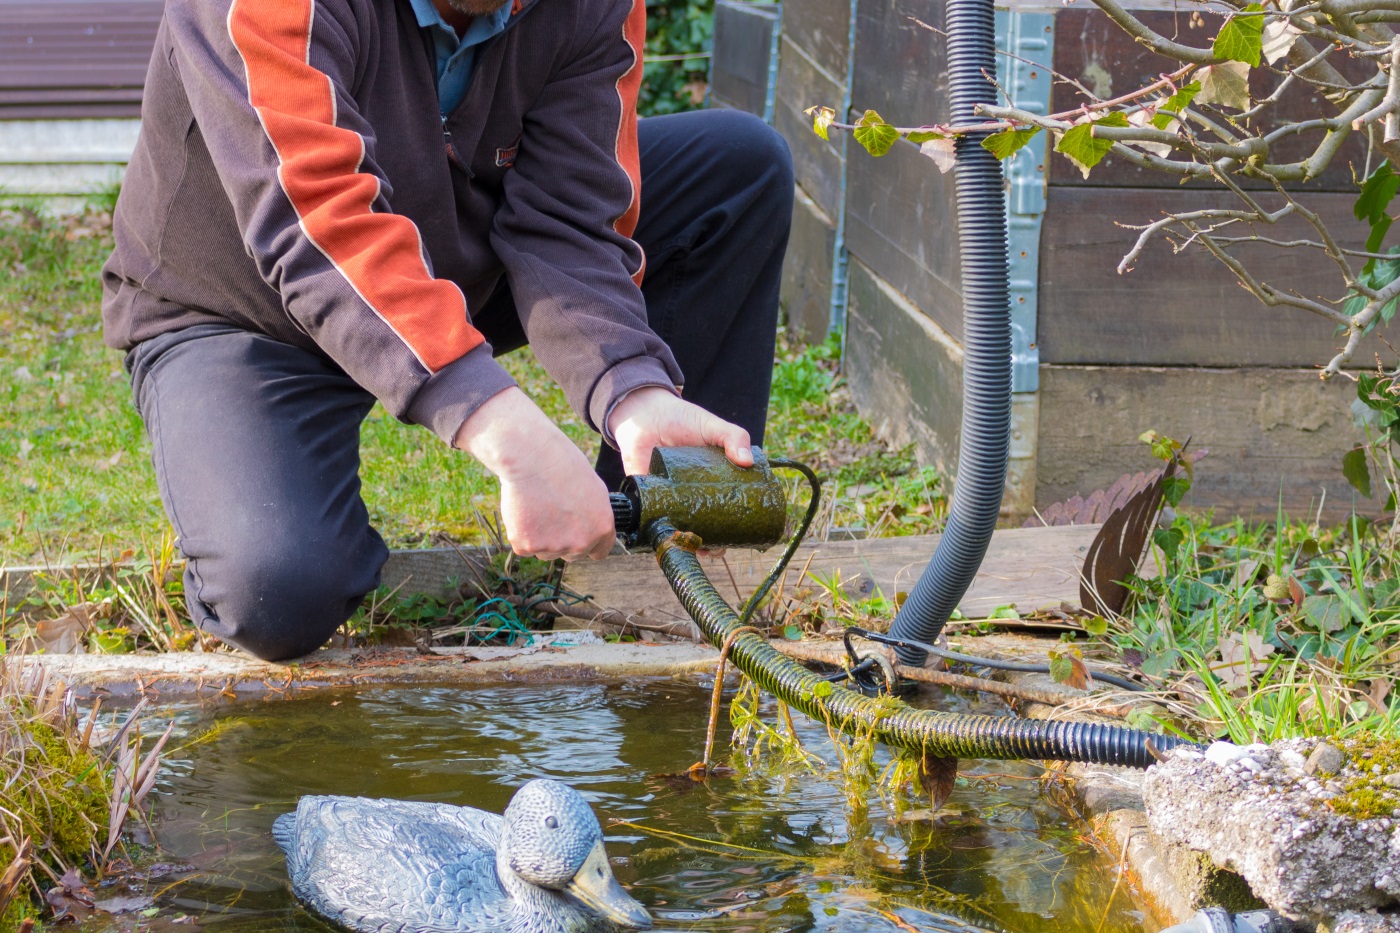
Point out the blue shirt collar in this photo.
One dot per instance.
(482, 27)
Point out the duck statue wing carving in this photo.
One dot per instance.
(385, 866)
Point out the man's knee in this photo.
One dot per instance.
(281, 602)
(753, 148)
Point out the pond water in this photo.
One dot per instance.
(767, 849)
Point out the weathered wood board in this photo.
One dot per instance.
(1181, 309)
(742, 47)
(901, 221)
(1030, 568)
(816, 162)
(901, 65)
(904, 375)
(821, 28)
(1274, 435)
(806, 288)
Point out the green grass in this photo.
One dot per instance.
(1272, 631)
(80, 483)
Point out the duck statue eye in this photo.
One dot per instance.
(551, 822)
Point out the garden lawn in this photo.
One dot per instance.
(78, 481)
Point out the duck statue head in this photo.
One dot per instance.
(551, 841)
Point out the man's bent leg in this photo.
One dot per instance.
(256, 449)
(717, 190)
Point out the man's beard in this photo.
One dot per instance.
(477, 7)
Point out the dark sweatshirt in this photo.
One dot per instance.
(294, 177)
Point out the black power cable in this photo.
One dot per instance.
(857, 632)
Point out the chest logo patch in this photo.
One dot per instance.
(505, 158)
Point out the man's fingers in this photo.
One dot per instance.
(734, 440)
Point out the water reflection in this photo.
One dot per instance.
(766, 850)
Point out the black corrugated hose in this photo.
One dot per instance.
(982, 464)
(986, 420)
(923, 731)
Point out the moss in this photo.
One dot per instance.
(18, 910)
(65, 799)
(1366, 796)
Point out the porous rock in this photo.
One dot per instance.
(1363, 922)
(1275, 827)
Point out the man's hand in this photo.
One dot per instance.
(654, 417)
(552, 503)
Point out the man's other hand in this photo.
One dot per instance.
(654, 417)
(552, 503)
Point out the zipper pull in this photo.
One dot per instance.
(452, 150)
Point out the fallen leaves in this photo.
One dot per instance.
(1242, 655)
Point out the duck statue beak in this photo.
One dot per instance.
(597, 888)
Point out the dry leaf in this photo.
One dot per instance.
(63, 635)
(1241, 654)
(1143, 118)
(1380, 689)
(1079, 674)
(938, 775)
(941, 152)
(71, 899)
(1279, 37)
(1225, 84)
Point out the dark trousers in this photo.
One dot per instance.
(256, 443)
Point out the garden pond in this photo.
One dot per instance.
(771, 847)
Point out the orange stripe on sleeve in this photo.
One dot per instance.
(380, 254)
(634, 31)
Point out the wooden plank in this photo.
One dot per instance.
(901, 221)
(905, 376)
(806, 286)
(1030, 568)
(1178, 309)
(1109, 62)
(742, 47)
(821, 29)
(1275, 436)
(901, 67)
(816, 162)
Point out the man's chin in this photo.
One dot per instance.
(477, 7)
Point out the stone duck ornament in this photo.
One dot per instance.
(385, 866)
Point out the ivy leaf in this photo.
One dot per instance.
(1005, 144)
(923, 136)
(1376, 274)
(1376, 195)
(941, 150)
(1096, 626)
(821, 119)
(1241, 38)
(1182, 98)
(1061, 670)
(1174, 489)
(875, 134)
(1083, 148)
(1327, 614)
(1225, 84)
(1357, 470)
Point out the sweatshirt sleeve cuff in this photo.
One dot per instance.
(451, 394)
(615, 384)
